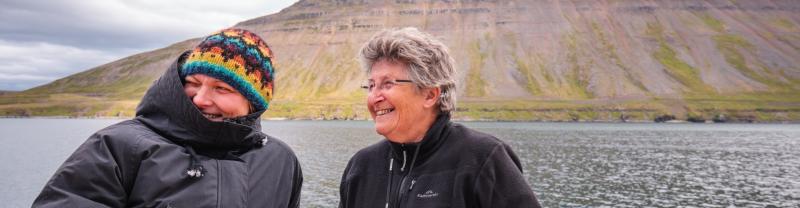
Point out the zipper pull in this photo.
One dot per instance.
(402, 168)
(412, 185)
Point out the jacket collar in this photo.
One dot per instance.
(166, 109)
(433, 140)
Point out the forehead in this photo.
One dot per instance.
(205, 79)
(384, 69)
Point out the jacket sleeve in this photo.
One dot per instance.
(500, 182)
(294, 201)
(344, 188)
(90, 177)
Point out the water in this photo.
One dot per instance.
(567, 164)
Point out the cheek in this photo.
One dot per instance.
(190, 91)
(410, 109)
(233, 105)
(370, 104)
(372, 101)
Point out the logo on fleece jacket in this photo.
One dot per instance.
(428, 194)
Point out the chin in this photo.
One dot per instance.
(381, 129)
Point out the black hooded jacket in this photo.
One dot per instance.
(172, 156)
(452, 166)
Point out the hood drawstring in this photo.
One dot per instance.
(403, 181)
(389, 187)
(195, 170)
(403, 168)
(261, 142)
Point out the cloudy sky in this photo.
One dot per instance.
(41, 41)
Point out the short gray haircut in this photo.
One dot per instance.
(429, 63)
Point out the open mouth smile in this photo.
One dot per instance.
(384, 111)
(212, 116)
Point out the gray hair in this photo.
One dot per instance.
(429, 63)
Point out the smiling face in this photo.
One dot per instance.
(402, 113)
(214, 98)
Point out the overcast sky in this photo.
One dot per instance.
(43, 40)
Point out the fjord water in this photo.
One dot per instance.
(567, 164)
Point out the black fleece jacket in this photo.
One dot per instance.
(453, 166)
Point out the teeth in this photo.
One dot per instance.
(384, 111)
(210, 116)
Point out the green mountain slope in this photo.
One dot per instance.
(517, 60)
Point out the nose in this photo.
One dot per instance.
(202, 98)
(375, 95)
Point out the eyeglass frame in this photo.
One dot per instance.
(382, 87)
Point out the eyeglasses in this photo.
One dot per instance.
(386, 85)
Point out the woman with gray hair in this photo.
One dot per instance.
(425, 160)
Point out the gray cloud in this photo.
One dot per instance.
(41, 41)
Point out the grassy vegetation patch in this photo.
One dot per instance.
(784, 23)
(792, 40)
(611, 52)
(22, 98)
(558, 110)
(527, 75)
(578, 83)
(71, 107)
(331, 110)
(712, 22)
(730, 45)
(609, 49)
(475, 86)
(103, 81)
(681, 71)
(746, 107)
(676, 68)
(741, 107)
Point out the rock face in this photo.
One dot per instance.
(556, 49)
(586, 52)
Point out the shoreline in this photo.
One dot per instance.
(674, 121)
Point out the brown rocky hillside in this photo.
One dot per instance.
(517, 60)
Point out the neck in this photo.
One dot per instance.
(417, 132)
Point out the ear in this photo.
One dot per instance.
(431, 97)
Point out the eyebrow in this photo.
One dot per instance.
(384, 77)
(224, 84)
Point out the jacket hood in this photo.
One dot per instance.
(166, 109)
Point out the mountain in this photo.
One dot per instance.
(516, 60)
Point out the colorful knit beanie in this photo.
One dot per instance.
(239, 58)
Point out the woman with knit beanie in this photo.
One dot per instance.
(196, 140)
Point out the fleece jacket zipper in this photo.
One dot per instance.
(400, 191)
